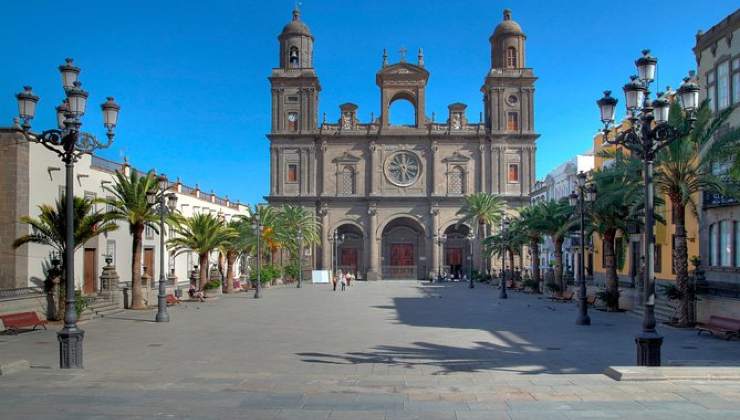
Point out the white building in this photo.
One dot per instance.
(31, 175)
(559, 184)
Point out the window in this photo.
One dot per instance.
(658, 258)
(511, 58)
(711, 90)
(293, 121)
(513, 172)
(294, 57)
(347, 182)
(736, 244)
(110, 250)
(725, 243)
(603, 253)
(713, 245)
(61, 192)
(292, 172)
(512, 121)
(723, 85)
(148, 232)
(191, 261)
(291, 99)
(109, 206)
(455, 182)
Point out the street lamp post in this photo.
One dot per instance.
(585, 193)
(648, 132)
(167, 205)
(471, 237)
(338, 239)
(299, 235)
(441, 240)
(257, 229)
(69, 143)
(504, 227)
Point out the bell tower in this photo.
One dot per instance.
(508, 90)
(295, 85)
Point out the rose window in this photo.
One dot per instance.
(403, 168)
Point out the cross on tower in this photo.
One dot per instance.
(403, 52)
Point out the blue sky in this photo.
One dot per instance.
(191, 78)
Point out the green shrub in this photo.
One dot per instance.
(268, 273)
(671, 292)
(291, 270)
(81, 302)
(610, 298)
(213, 284)
(531, 284)
(553, 287)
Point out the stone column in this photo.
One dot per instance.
(311, 171)
(372, 162)
(482, 176)
(434, 211)
(433, 168)
(373, 272)
(273, 171)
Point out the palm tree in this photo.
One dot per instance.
(239, 244)
(128, 203)
(50, 227)
(481, 209)
(619, 199)
(532, 222)
(556, 224)
(291, 218)
(683, 170)
(508, 241)
(201, 233)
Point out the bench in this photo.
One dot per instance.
(718, 325)
(22, 320)
(565, 297)
(172, 300)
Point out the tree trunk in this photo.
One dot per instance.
(511, 263)
(681, 262)
(559, 280)
(482, 237)
(612, 285)
(230, 261)
(203, 261)
(535, 246)
(137, 298)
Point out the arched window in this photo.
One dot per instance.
(347, 181)
(294, 57)
(511, 58)
(456, 181)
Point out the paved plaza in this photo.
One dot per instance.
(381, 350)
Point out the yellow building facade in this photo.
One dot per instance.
(630, 246)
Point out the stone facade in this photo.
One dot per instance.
(394, 190)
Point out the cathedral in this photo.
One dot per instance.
(387, 195)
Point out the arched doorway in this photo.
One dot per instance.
(403, 248)
(350, 256)
(456, 255)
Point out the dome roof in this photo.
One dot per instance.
(508, 26)
(296, 26)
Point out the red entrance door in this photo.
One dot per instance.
(454, 256)
(88, 286)
(402, 255)
(349, 259)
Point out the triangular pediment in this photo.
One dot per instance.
(402, 71)
(456, 158)
(346, 157)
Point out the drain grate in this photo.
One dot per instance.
(155, 345)
(40, 367)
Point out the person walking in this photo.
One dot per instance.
(343, 280)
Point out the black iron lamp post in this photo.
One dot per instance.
(167, 203)
(338, 239)
(471, 238)
(504, 227)
(69, 143)
(299, 236)
(648, 132)
(585, 193)
(257, 229)
(441, 240)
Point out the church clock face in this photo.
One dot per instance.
(402, 168)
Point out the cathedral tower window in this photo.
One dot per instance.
(513, 172)
(347, 181)
(512, 121)
(456, 181)
(294, 57)
(293, 121)
(511, 58)
(292, 172)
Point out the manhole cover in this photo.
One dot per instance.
(155, 345)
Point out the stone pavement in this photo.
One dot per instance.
(383, 350)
